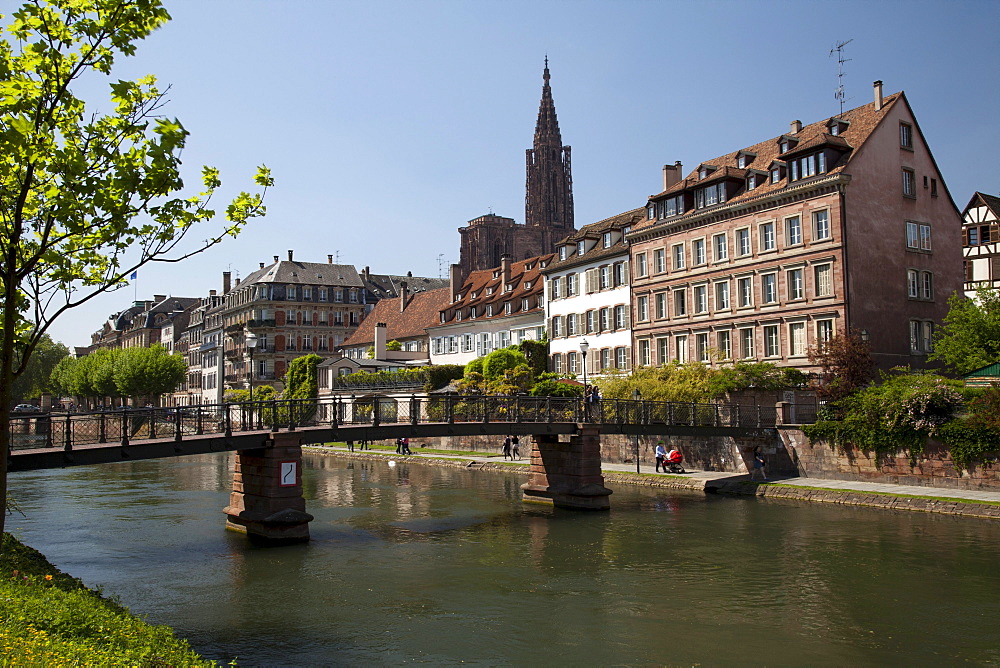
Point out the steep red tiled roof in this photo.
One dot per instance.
(481, 283)
(421, 312)
(861, 122)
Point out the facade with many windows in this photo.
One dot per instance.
(489, 310)
(587, 298)
(981, 243)
(768, 251)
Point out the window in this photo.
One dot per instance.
(797, 338)
(926, 285)
(752, 182)
(909, 183)
(557, 326)
(724, 344)
(642, 308)
(572, 363)
(662, 350)
(906, 135)
(746, 343)
(640, 264)
(659, 261)
(824, 280)
(555, 287)
(621, 317)
(775, 174)
(744, 291)
(307, 293)
(824, 330)
(562, 252)
(524, 304)
(919, 284)
(722, 296)
(710, 196)
(766, 237)
(808, 165)
(572, 285)
(796, 288)
(591, 322)
(621, 358)
(661, 305)
(701, 347)
(290, 292)
(673, 206)
(918, 236)
(644, 353)
(322, 294)
(720, 243)
(605, 319)
(743, 242)
(605, 277)
(698, 250)
(621, 273)
(571, 325)
(468, 343)
(557, 363)
(680, 302)
(681, 349)
(581, 247)
(605, 359)
(701, 299)
(925, 237)
(821, 224)
(771, 344)
(793, 231)
(607, 240)
(769, 288)
(677, 252)
(921, 336)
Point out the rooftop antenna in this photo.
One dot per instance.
(840, 95)
(440, 264)
(336, 257)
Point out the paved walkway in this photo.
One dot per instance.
(705, 476)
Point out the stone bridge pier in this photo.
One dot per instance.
(266, 502)
(567, 475)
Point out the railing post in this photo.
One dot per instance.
(735, 416)
(670, 413)
(229, 421)
(292, 422)
(715, 418)
(125, 427)
(102, 436)
(486, 409)
(694, 415)
(335, 406)
(449, 409)
(152, 423)
(375, 412)
(199, 427)
(517, 408)
(274, 415)
(68, 436)
(548, 409)
(414, 409)
(758, 416)
(177, 424)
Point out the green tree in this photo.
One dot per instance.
(499, 361)
(969, 339)
(37, 372)
(86, 198)
(394, 345)
(147, 372)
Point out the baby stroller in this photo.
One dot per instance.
(673, 460)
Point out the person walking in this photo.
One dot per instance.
(758, 464)
(405, 445)
(506, 449)
(661, 457)
(515, 448)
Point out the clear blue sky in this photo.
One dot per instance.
(388, 125)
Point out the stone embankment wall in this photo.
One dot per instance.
(933, 468)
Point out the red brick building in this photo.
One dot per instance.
(761, 253)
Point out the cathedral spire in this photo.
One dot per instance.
(549, 184)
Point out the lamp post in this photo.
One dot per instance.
(584, 347)
(250, 339)
(637, 397)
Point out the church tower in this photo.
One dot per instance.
(548, 202)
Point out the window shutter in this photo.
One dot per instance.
(994, 268)
(628, 318)
(628, 358)
(591, 280)
(628, 276)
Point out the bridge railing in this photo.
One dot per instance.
(123, 426)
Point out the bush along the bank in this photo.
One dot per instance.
(48, 618)
(902, 412)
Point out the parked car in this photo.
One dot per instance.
(22, 409)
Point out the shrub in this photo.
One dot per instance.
(499, 361)
(439, 376)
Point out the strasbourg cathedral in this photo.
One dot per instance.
(548, 201)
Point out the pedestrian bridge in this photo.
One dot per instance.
(268, 435)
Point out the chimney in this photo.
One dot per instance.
(505, 269)
(261, 265)
(226, 278)
(329, 259)
(158, 298)
(237, 280)
(290, 256)
(455, 281)
(878, 95)
(671, 174)
(276, 259)
(404, 294)
(211, 293)
(795, 127)
(380, 340)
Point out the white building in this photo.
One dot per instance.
(981, 243)
(587, 298)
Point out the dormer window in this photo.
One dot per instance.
(672, 206)
(786, 143)
(836, 126)
(489, 310)
(524, 304)
(458, 315)
(508, 287)
(507, 308)
(651, 211)
(527, 285)
(744, 159)
(710, 196)
(490, 290)
(776, 171)
(808, 165)
(704, 171)
(542, 264)
(626, 230)
(607, 240)
(472, 312)
(475, 295)
(444, 317)
(496, 274)
(751, 182)
(581, 247)
(562, 252)
(783, 146)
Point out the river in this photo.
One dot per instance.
(424, 564)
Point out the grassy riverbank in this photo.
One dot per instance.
(48, 618)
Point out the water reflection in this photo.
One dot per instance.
(441, 565)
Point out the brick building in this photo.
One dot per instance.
(774, 247)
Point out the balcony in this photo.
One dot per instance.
(254, 324)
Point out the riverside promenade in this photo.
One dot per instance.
(969, 503)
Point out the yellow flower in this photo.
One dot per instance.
(48, 577)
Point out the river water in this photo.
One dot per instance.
(424, 564)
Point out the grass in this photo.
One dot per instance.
(48, 618)
(391, 450)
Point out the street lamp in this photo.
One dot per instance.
(637, 397)
(250, 339)
(584, 347)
